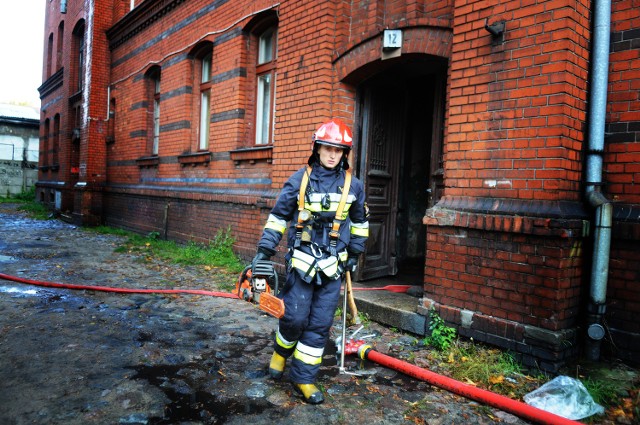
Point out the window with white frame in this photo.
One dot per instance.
(265, 85)
(153, 110)
(205, 101)
(156, 114)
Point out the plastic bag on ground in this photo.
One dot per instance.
(566, 397)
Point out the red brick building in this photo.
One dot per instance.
(499, 143)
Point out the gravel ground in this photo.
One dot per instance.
(89, 357)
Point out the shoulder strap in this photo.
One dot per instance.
(345, 194)
(335, 227)
(303, 189)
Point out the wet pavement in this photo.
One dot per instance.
(89, 357)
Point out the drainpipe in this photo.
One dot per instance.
(603, 207)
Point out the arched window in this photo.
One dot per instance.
(45, 143)
(205, 101)
(59, 46)
(153, 96)
(265, 84)
(202, 65)
(49, 54)
(78, 51)
(56, 140)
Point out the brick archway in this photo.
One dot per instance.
(365, 57)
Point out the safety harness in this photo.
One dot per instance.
(329, 266)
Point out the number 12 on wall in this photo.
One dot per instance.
(392, 39)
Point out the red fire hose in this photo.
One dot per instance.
(503, 403)
(119, 290)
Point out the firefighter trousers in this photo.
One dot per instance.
(304, 329)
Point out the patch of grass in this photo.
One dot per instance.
(107, 230)
(605, 393)
(28, 196)
(28, 204)
(483, 365)
(36, 210)
(217, 253)
(486, 367)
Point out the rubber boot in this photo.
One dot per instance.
(276, 367)
(310, 392)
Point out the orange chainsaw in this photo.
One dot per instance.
(258, 284)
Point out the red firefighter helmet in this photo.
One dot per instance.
(333, 133)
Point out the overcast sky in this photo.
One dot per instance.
(21, 50)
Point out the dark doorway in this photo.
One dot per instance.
(399, 140)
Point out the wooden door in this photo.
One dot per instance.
(382, 139)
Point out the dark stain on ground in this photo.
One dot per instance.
(184, 386)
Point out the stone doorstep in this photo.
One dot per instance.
(392, 309)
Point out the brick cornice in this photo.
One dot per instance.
(521, 207)
(138, 19)
(550, 218)
(51, 84)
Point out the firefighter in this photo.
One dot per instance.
(322, 246)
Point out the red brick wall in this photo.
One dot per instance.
(622, 178)
(622, 159)
(517, 109)
(518, 280)
(532, 280)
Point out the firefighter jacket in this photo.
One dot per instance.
(313, 253)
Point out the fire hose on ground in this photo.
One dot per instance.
(363, 350)
(506, 404)
(117, 290)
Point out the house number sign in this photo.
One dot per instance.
(392, 39)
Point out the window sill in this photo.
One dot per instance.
(194, 159)
(148, 161)
(252, 154)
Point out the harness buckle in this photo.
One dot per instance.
(316, 250)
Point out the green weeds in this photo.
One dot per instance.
(441, 335)
(218, 252)
(28, 204)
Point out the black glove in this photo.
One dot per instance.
(351, 264)
(261, 255)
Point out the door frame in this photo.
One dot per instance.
(435, 185)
